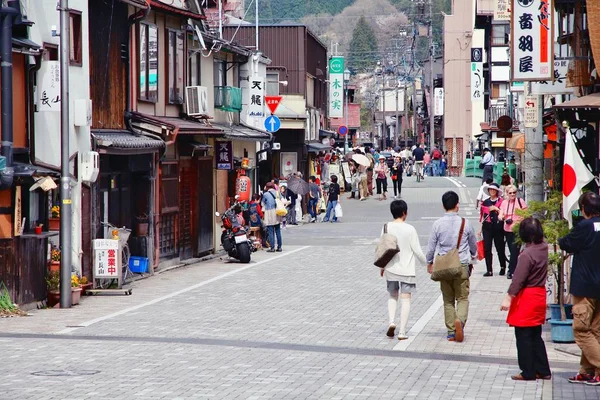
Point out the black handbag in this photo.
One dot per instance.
(481, 165)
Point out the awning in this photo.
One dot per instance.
(136, 3)
(517, 142)
(242, 132)
(25, 46)
(165, 5)
(45, 183)
(29, 170)
(589, 102)
(317, 147)
(325, 133)
(170, 127)
(122, 142)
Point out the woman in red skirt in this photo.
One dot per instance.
(526, 302)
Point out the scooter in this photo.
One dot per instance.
(234, 238)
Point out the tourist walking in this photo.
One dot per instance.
(381, 171)
(314, 195)
(396, 174)
(584, 243)
(508, 215)
(271, 220)
(332, 199)
(400, 273)
(526, 303)
(488, 165)
(493, 229)
(444, 237)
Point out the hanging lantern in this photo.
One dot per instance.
(242, 186)
(245, 163)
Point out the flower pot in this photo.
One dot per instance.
(54, 266)
(555, 311)
(85, 287)
(562, 331)
(53, 224)
(75, 295)
(53, 298)
(141, 229)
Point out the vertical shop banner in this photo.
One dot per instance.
(438, 102)
(107, 262)
(502, 10)
(49, 90)
(336, 87)
(477, 84)
(532, 40)
(256, 104)
(224, 155)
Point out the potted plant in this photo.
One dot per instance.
(54, 220)
(75, 290)
(141, 225)
(85, 284)
(54, 259)
(549, 213)
(53, 286)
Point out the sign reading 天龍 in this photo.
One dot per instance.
(256, 106)
(532, 40)
(224, 155)
(336, 87)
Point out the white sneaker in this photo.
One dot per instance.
(402, 336)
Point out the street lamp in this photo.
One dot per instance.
(346, 82)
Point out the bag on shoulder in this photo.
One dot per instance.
(386, 249)
(280, 208)
(448, 266)
(481, 165)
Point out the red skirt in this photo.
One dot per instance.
(528, 308)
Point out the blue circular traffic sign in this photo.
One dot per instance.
(272, 124)
(343, 130)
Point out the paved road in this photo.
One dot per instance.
(308, 323)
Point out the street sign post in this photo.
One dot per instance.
(272, 124)
(531, 112)
(343, 130)
(273, 102)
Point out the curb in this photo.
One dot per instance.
(547, 389)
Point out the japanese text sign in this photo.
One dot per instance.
(561, 67)
(224, 155)
(256, 105)
(502, 10)
(336, 87)
(49, 90)
(532, 40)
(107, 260)
(477, 84)
(438, 102)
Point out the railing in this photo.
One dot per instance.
(228, 98)
(494, 112)
(500, 41)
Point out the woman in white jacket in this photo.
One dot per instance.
(400, 272)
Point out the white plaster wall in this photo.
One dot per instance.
(47, 124)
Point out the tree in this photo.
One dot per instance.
(363, 46)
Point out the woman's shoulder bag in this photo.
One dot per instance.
(386, 249)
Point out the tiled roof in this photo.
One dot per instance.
(127, 140)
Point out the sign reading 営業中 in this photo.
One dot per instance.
(107, 262)
(256, 105)
(477, 84)
(502, 10)
(224, 155)
(559, 83)
(532, 41)
(49, 90)
(438, 102)
(336, 87)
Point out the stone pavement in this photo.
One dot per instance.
(308, 323)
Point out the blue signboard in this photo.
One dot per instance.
(343, 130)
(272, 124)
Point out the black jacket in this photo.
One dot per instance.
(584, 243)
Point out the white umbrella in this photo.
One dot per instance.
(362, 160)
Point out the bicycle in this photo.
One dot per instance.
(122, 235)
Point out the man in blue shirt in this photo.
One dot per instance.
(488, 164)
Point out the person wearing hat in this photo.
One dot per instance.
(381, 172)
(487, 163)
(492, 228)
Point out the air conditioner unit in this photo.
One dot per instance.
(276, 146)
(196, 100)
(89, 165)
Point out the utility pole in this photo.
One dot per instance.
(66, 209)
(431, 79)
(534, 155)
(397, 128)
(414, 105)
(405, 128)
(384, 128)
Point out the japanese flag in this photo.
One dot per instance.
(575, 176)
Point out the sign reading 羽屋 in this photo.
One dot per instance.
(477, 86)
(49, 90)
(502, 10)
(256, 105)
(336, 87)
(532, 40)
(438, 102)
(561, 67)
(224, 155)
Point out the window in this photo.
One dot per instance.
(75, 38)
(220, 73)
(148, 62)
(175, 66)
(500, 35)
(194, 69)
(499, 91)
(272, 83)
(50, 52)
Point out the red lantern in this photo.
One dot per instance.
(242, 188)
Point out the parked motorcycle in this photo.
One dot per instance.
(234, 238)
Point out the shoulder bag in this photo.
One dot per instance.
(280, 208)
(386, 249)
(448, 266)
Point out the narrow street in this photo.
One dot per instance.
(308, 323)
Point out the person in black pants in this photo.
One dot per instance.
(396, 174)
(493, 229)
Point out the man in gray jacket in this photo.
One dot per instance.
(443, 238)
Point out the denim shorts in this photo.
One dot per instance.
(402, 287)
